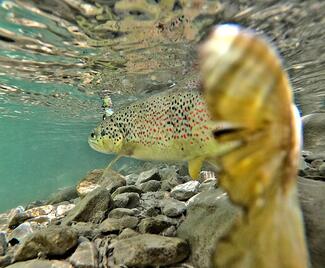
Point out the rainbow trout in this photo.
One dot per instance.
(172, 126)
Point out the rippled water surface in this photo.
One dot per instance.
(58, 58)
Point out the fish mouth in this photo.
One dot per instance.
(93, 143)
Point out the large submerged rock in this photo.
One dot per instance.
(92, 208)
(312, 200)
(51, 241)
(150, 250)
(209, 216)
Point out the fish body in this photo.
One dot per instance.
(171, 126)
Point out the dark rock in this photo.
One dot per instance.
(154, 225)
(209, 216)
(127, 200)
(65, 194)
(131, 179)
(85, 256)
(312, 200)
(314, 132)
(151, 212)
(90, 182)
(3, 244)
(41, 264)
(152, 174)
(92, 208)
(150, 186)
(111, 180)
(127, 233)
(86, 229)
(126, 189)
(113, 225)
(51, 241)
(185, 191)
(118, 213)
(172, 207)
(150, 250)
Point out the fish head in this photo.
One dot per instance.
(106, 137)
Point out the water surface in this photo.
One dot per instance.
(58, 58)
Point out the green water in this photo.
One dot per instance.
(59, 58)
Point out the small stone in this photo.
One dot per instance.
(41, 264)
(152, 199)
(37, 203)
(131, 179)
(51, 241)
(62, 195)
(172, 207)
(126, 189)
(16, 216)
(39, 214)
(86, 229)
(118, 213)
(207, 175)
(90, 182)
(21, 232)
(208, 185)
(153, 225)
(148, 175)
(62, 210)
(314, 156)
(314, 133)
(113, 225)
(150, 186)
(3, 244)
(4, 218)
(127, 233)
(85, 256)
(185, 191)
(316, 163)
(168, 173)
(127, 200)
(150, 250)
(170, 231)
(111, 180)
(302, 164)
(321, 169)
(92, 208)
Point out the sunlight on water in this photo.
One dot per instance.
(58, 58)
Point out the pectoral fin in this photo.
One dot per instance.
(194, 167)
(113, 162)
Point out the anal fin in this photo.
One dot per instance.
(194, 167)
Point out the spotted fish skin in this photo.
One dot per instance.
(172, 126)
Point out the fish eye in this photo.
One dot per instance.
(104, 116)
(92, 135)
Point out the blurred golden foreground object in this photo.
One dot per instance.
(246, 87)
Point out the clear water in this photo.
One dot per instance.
(59, 57)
